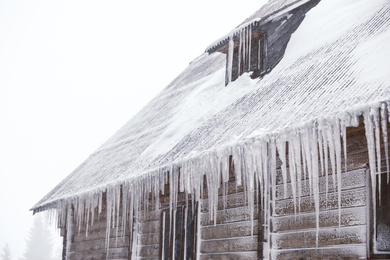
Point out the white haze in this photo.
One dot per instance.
(73, 72)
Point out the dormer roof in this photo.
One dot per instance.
(266, 13)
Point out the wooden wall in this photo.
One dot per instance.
(291, 236)
(294, 236)
(231, 237)
(91, 245)
(149, 235)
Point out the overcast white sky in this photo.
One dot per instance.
(73, 72)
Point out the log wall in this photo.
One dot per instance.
(149, 235)
(293, 236)
(233, 235)
(91, 244)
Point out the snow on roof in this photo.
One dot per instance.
(336, 61)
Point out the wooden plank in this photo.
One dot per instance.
(349, 198)
(113, 253)
(149, 216)
(229, 245)
(236, 229)
(149, 239)
(349, 180)
(229, 216)
(234, 200)
(349, 217)
(231, 256)
(149, 251)
(97, 224)
(149, 227)
(326, 237)
(336, 252)
(99, 234)
(99, 244)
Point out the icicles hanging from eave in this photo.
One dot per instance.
(239, 53)
(304, 153)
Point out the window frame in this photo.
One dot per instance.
(373, 253)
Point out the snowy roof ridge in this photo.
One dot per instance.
(257, 20)
(349, 117)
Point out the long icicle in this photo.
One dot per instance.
(384, 109)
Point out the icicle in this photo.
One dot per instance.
(293, 175)
(320, 148)
(273, 172)
(281, 145)
(259, 55)
(124, 209)
(308, 156)
(198, 231)
(344, 137)
(331, 145)
(385, 137)
(250, 170)
(297, 151)
(337, 142)
(244, 50)
(314, 173)
(265, 155)
(134, 251)
(368, 124)
(100, 198)
(230, 59)
(375, 115)
(237, 165)
(326, 159)
(69, 231)
(109, 215)
(302, 149)
(250, 46)
(163, 232)
(240, 55)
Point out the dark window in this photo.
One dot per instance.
(179, 234)
(248, 54)
(380, 224)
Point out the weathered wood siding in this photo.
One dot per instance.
(293, 236)
(91, 245)
(234, 235)
(149, 235)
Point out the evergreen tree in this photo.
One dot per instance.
(6, 255)
(39, 242)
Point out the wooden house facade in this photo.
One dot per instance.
(287, 159)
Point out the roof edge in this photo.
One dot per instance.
(347, 116)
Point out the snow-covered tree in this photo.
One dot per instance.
(39, 242)
(6, 254)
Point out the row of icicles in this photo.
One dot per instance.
(308, 149)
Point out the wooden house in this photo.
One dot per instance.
(273, 144)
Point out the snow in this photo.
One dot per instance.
(335, 70)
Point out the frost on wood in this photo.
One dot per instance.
(308, 148)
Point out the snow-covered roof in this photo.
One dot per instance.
(338, 60)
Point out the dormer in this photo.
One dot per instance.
(245, 52)
(259, 44)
